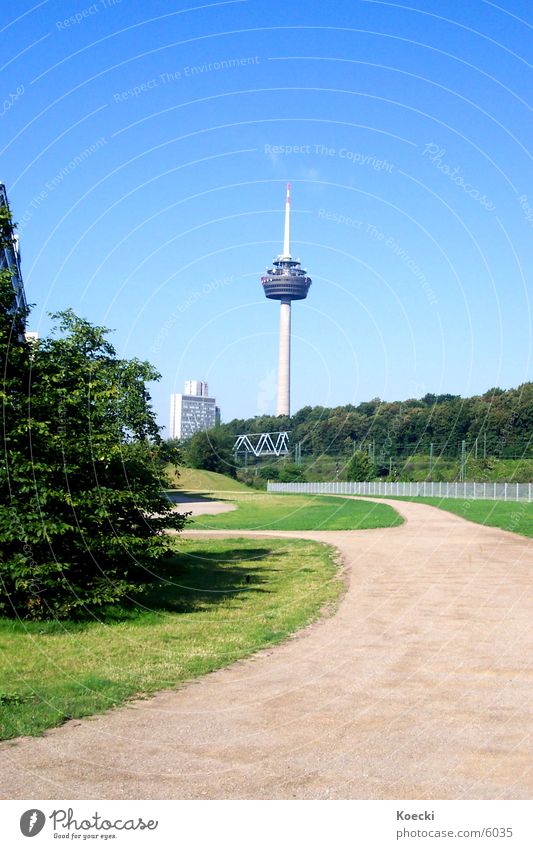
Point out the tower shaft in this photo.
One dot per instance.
(284, 360)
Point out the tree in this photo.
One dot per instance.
(211, 450)
(15, 372)
(84, 520)
(290, 472)
(359, 467)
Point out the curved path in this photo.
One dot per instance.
(417, 688)
(198, 506)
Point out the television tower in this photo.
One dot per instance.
(286, 281)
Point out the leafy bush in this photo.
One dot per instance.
(290, 472)
(359, 467)
(82, 514)
(211, 450)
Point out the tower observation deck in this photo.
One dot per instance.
(285, 281)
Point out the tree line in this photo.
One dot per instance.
(500, 420)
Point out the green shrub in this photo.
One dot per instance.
(82, 514)
(359, 467)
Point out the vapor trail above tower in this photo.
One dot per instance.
(286, 281)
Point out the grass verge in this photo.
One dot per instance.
(270, 512)
(196, 480)
(515, 516)
(202, 615)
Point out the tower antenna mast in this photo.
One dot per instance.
(287, 237)
(286, 281)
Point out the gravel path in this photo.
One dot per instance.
(201, 506)
(418, 688)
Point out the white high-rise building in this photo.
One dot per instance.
(192, 410)
(196, 387)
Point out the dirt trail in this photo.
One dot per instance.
(418, 688)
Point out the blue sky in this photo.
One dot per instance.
(145, 149)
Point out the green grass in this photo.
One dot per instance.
(202, 615)
(516, 516)
(198, 480)
(266, 511)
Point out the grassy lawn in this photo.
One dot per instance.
(516, 516)
(195, 480)
(265, 511)
(203, 615)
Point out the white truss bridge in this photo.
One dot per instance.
(262, 444)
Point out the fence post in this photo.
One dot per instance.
(485, 489)
(505, 493)
(517, 492)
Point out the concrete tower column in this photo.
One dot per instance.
(284, 362)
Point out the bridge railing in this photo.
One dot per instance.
(428, 489)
